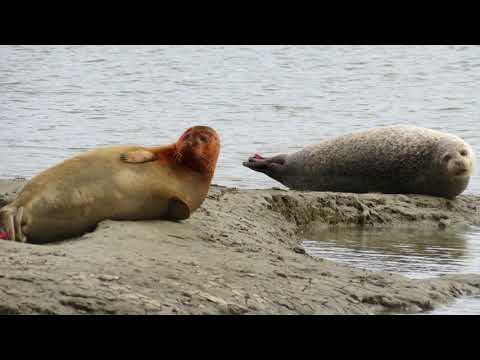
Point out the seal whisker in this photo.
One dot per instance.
(177, 156)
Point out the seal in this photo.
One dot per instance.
(402, 159)
(126, 182)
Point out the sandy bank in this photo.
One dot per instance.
(238, 254)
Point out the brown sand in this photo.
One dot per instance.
(238, 254)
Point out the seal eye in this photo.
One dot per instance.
(203, 138)
(463, 153)
(447, 157)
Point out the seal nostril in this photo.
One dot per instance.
(459, 164)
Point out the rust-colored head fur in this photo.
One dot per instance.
(198, 148)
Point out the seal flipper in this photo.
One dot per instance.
(137, 157)
(178, 209)
(6, 219)
(269, 166)
(18, 225)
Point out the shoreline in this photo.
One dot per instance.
(240, 253)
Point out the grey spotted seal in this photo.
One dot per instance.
(391, 159)
(124, 182)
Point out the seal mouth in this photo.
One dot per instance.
(460, 172)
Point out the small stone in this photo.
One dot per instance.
(233, 309)
(299, 250)
(443, 223)
(105, 277)
(212, 298)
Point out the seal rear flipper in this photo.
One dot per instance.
(178, 209)
(272, 167)
(257, 165)
(18, 225)
(6, 219)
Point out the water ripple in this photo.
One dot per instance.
(276, 98)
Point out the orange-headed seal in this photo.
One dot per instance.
(118, 182)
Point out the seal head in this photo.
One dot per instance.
(198, 148)
(455, 159)
(453, 165)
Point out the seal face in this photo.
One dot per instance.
(125, 182)
(390, 159)
(198, 148)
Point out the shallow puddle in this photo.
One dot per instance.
(411, 252)
(463, 306)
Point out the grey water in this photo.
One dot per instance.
(56, 101)
(416, 253)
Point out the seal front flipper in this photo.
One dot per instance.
(177, 209)
(138, 156)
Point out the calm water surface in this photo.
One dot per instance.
(412, 252)
(56, 101)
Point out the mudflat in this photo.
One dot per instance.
(239, 253)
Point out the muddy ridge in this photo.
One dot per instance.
(239, 253)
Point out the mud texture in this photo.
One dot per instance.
(239, 253)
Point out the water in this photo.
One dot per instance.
(411, 252)
(463, 306)
(56, 101)
(414, 253)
